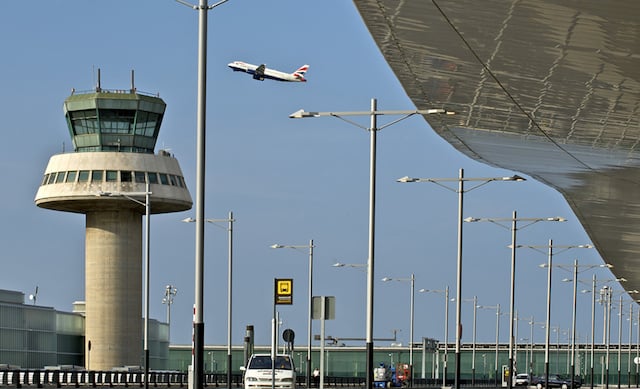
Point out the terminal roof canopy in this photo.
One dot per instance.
(545, 88)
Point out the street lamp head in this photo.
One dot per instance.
(338, 264)
(556, 219)
(276, 246)
(515, 177)
(387, 279)
(407, 179)
(472, 219)
(188, 220)
(299, 114)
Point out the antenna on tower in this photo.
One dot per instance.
(98, 89)
(133, 87)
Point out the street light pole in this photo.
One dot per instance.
(549, 265)
(372, 129)
(619, 339)
(629, 347)
(573, 323)
(198, 315)
(230, 221)
(514, 228)
(446, 329)
(497, 308)
(412, 280)
(461, 180)
(593, 317)
(310, 246)
(169, 293)
(473, 357)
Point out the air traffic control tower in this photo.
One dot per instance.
(114, 134)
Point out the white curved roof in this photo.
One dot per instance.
(545, 88)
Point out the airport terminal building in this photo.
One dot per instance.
(33, 336)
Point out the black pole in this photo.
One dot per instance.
(457, 374)
(229, 371)
(369, 356)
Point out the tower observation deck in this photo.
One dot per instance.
(114, 134)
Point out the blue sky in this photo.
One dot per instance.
(287, 181)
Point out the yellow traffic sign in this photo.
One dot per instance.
(284, 291)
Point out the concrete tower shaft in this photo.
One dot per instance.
(112, 277)
(113, 133)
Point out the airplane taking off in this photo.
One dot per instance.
(261, 72)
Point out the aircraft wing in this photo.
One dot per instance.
(260, 70)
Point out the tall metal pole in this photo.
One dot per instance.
(169, 292)
(310, 313)
(411, 321)
(512, 297)
(497, 341)
(548, 322)
(147, 247)
(638, 351)
(530, 366)
(593, 317)
(198, 314)
(608, 334)
(629, 347)
(229, 298)
(619, 339)
(573, 323)
(473, 353)
(459, 278)
(446, 336)
(370, 260)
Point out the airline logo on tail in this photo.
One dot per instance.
(261, 72)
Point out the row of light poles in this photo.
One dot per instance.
(372, 129)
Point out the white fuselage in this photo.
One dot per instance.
(260, 72)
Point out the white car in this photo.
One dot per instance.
(258, 372)
(523, 380)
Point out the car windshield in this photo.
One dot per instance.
(264, 362)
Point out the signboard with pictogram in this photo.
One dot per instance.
(283, 291)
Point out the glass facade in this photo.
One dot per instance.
(32, 337)
(349, 361)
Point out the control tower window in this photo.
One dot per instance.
(164, 179)
(96, 175)
(60, 177)
(83, 176)
(84, 122)
(116, 121)
(146, 123)
(112, 175)
(139, 177)
(125, 176)
(71, 176)
(153, 177)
